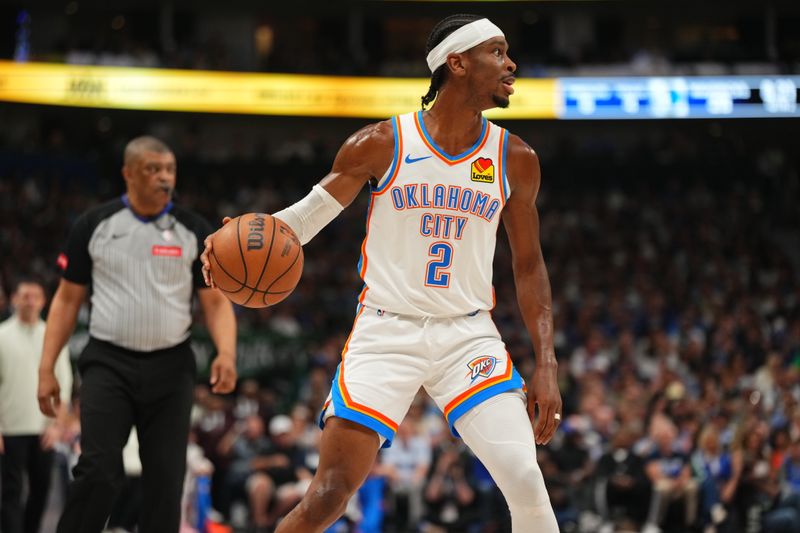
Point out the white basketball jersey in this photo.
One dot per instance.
(432, 224)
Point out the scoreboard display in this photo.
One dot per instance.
(679, 97)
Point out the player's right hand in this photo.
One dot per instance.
(48, 393)
(543, 393)
(206, 269)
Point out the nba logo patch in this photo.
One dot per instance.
(482, 170)
(481, 367)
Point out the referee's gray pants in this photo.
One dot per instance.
(121, 388)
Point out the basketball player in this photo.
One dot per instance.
(440, 181)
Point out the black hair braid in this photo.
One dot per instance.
(444, 28)
(436, 83)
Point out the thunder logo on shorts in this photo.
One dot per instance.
(481, 367)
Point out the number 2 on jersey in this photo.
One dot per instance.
(436, 274)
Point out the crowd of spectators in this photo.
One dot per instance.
(380, 39)
(674, 265)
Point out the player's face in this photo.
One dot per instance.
(151, 176)
(492, 73)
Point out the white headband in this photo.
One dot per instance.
(462, 39)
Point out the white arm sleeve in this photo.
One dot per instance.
(308, 216)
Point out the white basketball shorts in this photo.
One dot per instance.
(461, 362)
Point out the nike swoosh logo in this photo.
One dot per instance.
(409, 159)
(117, 235)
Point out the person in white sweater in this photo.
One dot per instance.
(27, 437)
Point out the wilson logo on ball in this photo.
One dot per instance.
(255, 234)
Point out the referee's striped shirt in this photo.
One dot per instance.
(141, 272)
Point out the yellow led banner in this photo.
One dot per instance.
(244, 93)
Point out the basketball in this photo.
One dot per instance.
(256, 260)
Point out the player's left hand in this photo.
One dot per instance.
(543, 391)
(223, 374)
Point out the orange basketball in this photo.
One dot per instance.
(256, 260)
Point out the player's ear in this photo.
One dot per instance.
(457, 64)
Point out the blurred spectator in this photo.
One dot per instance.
(249, 401)
(213, 421)
(270, 472)
(561, 492)
(671, 475)
(784, 517)
(622, 488)
(766, 380)
(572, 458)
(249, 449)
(592, 356)
(27, 438)
(306, 431)
(718, 473)
(196, 502)
(653, 42)
(406, 465)
(293, 478)
(780, 442)
(449, 494)
(758, 488)
(790, 471)
(370, 498)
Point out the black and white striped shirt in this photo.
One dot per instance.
(142, 272)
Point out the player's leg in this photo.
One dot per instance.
(499, 432)
(347, 452)
(106, 420)
(162, 423)
(479, 391)
(380, 372)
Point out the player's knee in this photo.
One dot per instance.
(329, 496)
(524, 488)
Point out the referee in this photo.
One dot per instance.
(138, 257)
